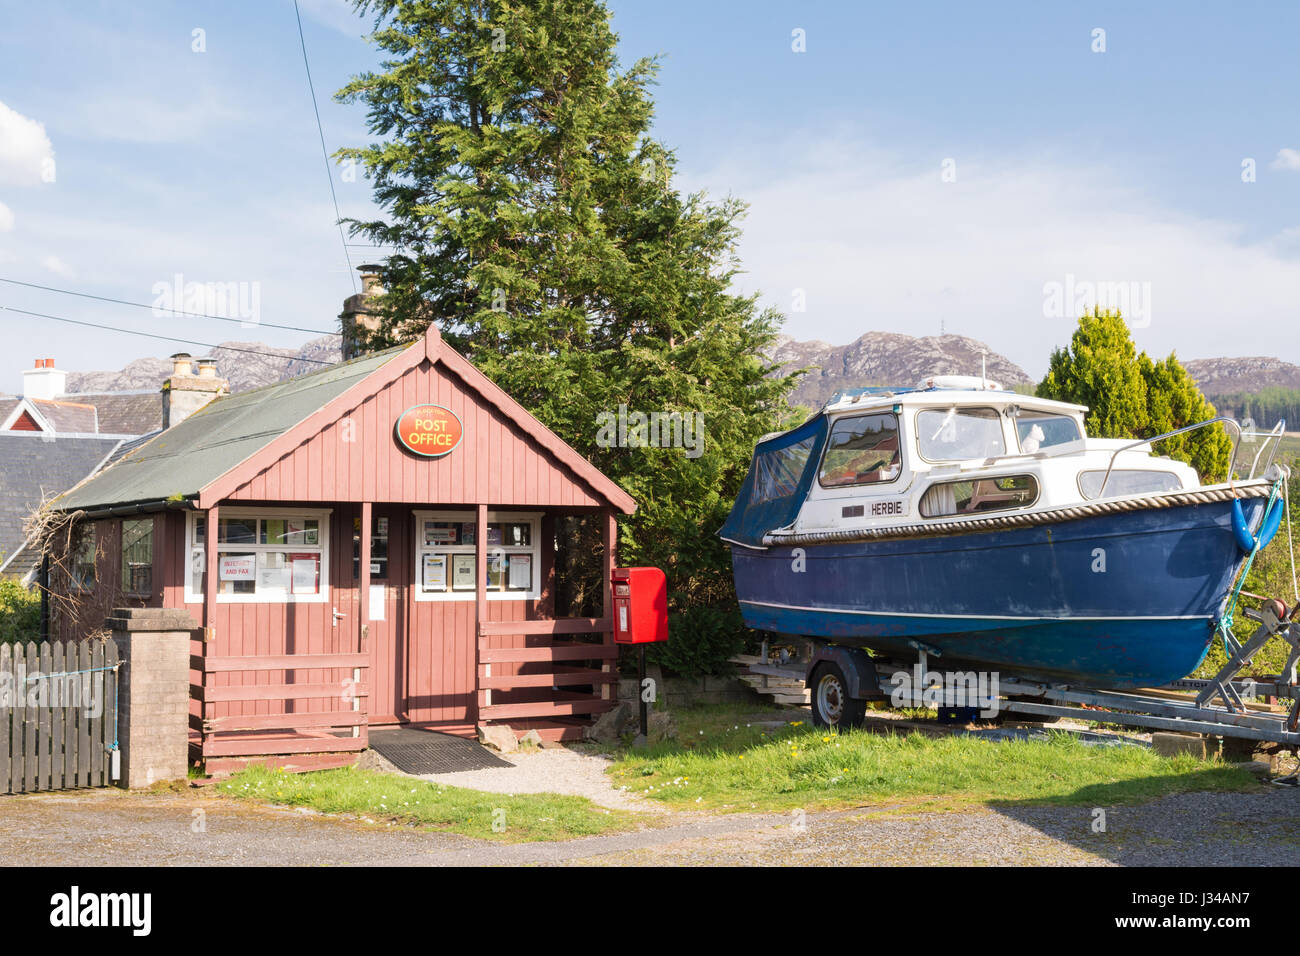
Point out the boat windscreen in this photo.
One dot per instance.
(780, 474)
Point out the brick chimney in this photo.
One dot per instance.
(44, 381)
(186, 391)
(358, 310)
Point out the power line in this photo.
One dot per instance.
(143, 305)
(165, 338)
(329, 171)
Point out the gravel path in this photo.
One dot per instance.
(558, 770)
(98, 827)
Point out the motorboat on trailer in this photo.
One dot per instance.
(984, 526)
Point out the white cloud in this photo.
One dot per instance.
(6, 218)
(26, 154)
(58, 267)
(879, 244)
(1288, 159)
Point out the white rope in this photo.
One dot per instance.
(1290, 547)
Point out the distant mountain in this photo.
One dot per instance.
(887, 358)
(257, 365)
(1223, 376)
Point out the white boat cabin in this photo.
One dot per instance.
(959, 447)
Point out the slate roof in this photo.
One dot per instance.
(33, 467)
(123, 413)
(181, 461)
(66, 416)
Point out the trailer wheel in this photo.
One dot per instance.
(831, 704)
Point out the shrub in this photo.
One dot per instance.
(20, 613)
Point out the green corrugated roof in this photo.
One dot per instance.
(186, 458)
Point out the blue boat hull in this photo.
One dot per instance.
(1122, 600)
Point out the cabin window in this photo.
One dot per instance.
(861, 450)
(137, 556)
(777, 473)
(445, 556)
(269, 556)
(1128, 482)
(959, 434)
(978, 495)
(1039, 430)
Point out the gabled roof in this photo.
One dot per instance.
(181, 461)
(211, 453)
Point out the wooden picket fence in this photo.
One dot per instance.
(58, 715)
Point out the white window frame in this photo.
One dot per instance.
(321, 515)
(533, 518)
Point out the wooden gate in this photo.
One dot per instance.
(58, 715)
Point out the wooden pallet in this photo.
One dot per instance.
(785, 685)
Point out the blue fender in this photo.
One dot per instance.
(1268, 528)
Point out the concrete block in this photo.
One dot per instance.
(1172, 745)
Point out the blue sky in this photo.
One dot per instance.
(916, 164)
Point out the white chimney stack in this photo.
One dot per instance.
(44, 381)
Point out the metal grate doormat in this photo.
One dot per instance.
(427, 751)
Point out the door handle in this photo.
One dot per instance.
(338, 616)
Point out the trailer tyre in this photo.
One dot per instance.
(831, 704)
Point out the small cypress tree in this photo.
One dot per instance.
(1130, 396)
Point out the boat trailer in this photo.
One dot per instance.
(1226, 705)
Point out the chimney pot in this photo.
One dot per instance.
(181, 364)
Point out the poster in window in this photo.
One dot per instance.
(435, 572)
(521, 572)
(494, 535)
(381, 527)
(462, 572)
(496, 577)
(468, 532)
(273, 572)
(238, 567)
(439, 532)
(305, 576)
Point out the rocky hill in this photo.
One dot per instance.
(1223, 376)
(887, 358)
(243, 369)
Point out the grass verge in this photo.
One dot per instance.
(411, 801)
(723, 762)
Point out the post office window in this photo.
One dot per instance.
(861, 450)
(137, 556)
(446, 548)
(269, 556)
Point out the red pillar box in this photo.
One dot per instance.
(640, 605)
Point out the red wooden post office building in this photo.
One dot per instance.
(373, 543)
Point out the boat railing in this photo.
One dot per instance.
(1274, 437)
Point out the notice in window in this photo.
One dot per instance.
(238, 567)
(435, 572)
(521, 572)
(462, 572)
(306, 573)
(439, 533)
(273, 573)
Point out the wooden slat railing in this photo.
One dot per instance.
(338, 730)
(573, 663)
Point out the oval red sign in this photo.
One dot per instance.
(429, 430)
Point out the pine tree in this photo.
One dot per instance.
(536, 222)
(1130, 396)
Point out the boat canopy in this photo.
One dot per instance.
(780, 476)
